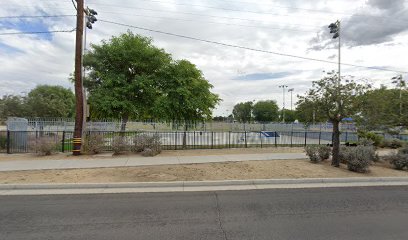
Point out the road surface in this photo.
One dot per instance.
(320, 213)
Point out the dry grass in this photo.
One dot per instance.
(197, 172)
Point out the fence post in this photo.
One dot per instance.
(305, 138)
(194, 140)
(175, 143)
(245, 139)
(291, 138)
(320, 136)
(63, 142)
(212, 140)
(8, 142)
(346, 136)
(276, 136)
(229, 139)
(260, 136)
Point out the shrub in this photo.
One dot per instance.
(44, 146)
(119, 145)
(143, 142)
(377, 139)
(3, 142)
(366, 142)
(343, 154)
(403, 150)
(392, 143)
(359, 158)
(399, 160)
(148, 152)
(324, 152)
(93, 144)
(318, 153)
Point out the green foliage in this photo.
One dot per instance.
(392, 143)
(266, 111)
(336, 100)
(308, 112)
(93, 144)
(243, 112)
(185, 94)
(3, 142)
(51, 101)
(44, 146)
(380, 108)
(318, 153)
(358, 159)
(290, 116)
(375, 138)
(365, 142)
(143, 142)
(12, 106)
(399, 160)
(119, 145)
(403, 150)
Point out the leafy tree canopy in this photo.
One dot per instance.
(266, 111)
(243, 112)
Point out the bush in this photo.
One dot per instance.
(403, 150)
(44, 146)
(3, 142)
(366, 142)
(148, 152)
(318, 153)
(399, 160)
(377, 139)
(143, 142)
(359, 158)
(119, 145)
(324, 152)
(343, 154)
(93, 144)
(392, 143)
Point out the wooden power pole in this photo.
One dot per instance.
(79, 116)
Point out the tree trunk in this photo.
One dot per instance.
(125, 119)
(185, 135)
(336, 144)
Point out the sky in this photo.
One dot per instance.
(373, 34)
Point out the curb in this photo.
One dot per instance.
(184, 185)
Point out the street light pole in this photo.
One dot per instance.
(291, 99)
(283, 108)
(400, 83)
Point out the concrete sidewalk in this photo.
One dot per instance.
(133, 161)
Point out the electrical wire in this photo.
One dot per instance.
(38, 16)
(248, 48)
(43, 32)
(73, 3)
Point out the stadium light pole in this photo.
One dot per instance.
(283, 108)
(335, 29)
(400, 83)
(291, 99)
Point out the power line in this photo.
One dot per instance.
(73, 3)
(222, 23)
(39, 16)
(42, 32)
(248, 48)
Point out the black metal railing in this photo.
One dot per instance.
(26, 141)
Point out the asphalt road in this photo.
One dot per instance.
(322, 213)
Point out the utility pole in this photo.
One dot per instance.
(291, 99)
(79, 107)
(283, 108)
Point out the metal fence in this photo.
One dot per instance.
(62, 124)
(26, 141)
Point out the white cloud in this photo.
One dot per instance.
(40, 61)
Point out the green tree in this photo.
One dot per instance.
(266, 111)
(185, 95)
(380, 109)
(308, 112)
(51, 101)
(290, 116)
(124, 77)
(12, 106)
(336, 100)
(243, 112)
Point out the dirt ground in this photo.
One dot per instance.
(165, 153)
(198, 172)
